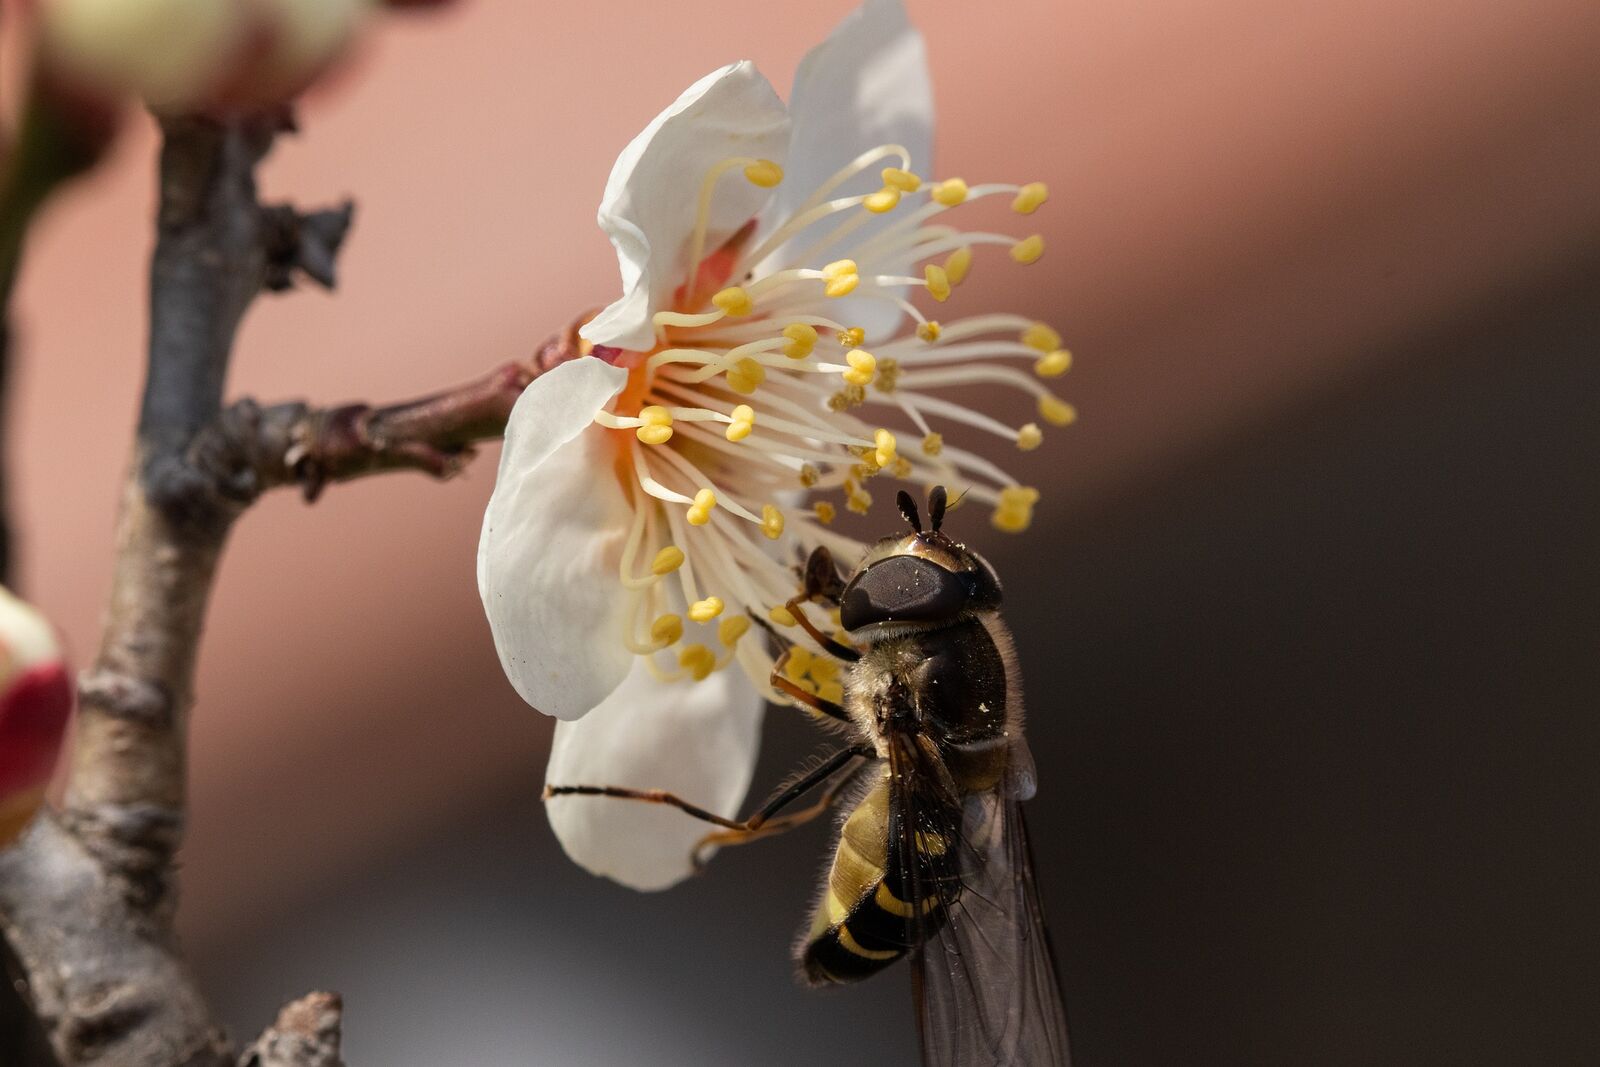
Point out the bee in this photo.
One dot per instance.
(932, 857)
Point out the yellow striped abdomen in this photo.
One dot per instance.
(864, 922)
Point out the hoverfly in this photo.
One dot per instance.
(932, 857)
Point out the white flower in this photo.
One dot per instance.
(639, 514)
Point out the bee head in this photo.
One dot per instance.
(922, 580)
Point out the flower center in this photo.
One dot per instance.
(764, 388)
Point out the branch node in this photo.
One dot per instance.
(307, 1034)
(101, 1019)
(307, 242)
(125, 696)
(134, 842)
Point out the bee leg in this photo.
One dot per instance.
(836, 649)
(742, 830)
(649, 796)
(766, 822)
(778, 680)
(810, 700)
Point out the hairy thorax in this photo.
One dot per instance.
(956, 685)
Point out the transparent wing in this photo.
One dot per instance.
(983, 972)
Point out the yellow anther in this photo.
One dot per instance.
(763, 172)
(950, 192)
(883, 200)
(746, 376)
(1029, 197)
(734, 301)
(842, 285)
(929, 331)
(888, 375)
(884, 447)
(771, 521)
(667, 560)
(1011, 521)
(705, 610)
(698, 660)
(956, 265)
(851, 396)
(857, 499)
(780, 616)
(838, 268)
(1056, 411)
(1015, 509)
(657, 428)
(744, 420)
(832, 692)
(654, 435)
(1053, 364)
(1028, 249)
(863, 365)
(824, 669)
(802, 339)
(1019, 496)
(901, 468)
(1030, 437)
(825, 512)
(797, 664)
(732, 628)
(938, 282)
(933, 444)
(700, 511)
(853, 337)
(1041, 337)
(809, 475)
(666, 630)
(902, 180)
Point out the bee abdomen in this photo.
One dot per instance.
(864, 921)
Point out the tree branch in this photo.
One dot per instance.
(87, 898)
(251, 449)
(105, 977)
(127, 786)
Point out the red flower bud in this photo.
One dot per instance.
(35, 701)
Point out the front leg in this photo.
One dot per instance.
(782, 682)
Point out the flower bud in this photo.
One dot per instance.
(299, 41)
(35, 700)
(170, 53)
(198, 55)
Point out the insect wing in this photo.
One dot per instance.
(984, 975)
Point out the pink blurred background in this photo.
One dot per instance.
(1252, 204)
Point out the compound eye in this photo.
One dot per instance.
(902, 589)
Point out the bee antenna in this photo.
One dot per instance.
(908, 508)
(936, 506)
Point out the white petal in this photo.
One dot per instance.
(653, 195)
(865, 86)
(697, 740)
(551, 543)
